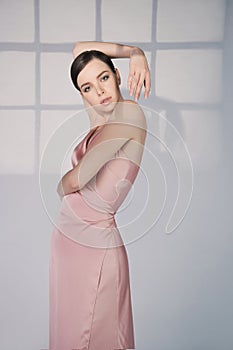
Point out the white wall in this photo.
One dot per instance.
(181, 282)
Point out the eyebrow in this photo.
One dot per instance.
(104, 71)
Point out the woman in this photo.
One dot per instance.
(90, 301)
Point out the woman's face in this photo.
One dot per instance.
(99, 86)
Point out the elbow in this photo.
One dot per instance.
(77, 49)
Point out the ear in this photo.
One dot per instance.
(118, 77)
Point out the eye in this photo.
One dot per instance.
(105, 77)
(86, 89)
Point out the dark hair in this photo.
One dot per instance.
(83, 59)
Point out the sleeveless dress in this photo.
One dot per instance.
(89, 286)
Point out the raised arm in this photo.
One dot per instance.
(139, 73)
(113, 50)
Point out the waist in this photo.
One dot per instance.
(85, 225)
(75, 206)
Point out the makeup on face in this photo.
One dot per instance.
(99, 84)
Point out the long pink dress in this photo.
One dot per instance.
(90, 295)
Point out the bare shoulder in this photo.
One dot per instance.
(129, 113)
(127, 121)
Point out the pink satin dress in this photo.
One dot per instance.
(90, 297)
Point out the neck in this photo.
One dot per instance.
(97, 119)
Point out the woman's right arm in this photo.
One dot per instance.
(139, 70)
(113, 50)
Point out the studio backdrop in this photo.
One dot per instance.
(177, 220)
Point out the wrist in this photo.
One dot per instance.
(136, 51)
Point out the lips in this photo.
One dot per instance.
(106, 100)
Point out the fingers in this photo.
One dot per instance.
(135, 83)
(138, 89)
(139, 74)
(130, 78)
(147, 84)
(131, 81)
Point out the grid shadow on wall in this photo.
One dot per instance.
(182, 41)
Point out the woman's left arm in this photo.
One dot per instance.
(64, 186)
(103, 148)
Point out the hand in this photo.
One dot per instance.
(139, 73)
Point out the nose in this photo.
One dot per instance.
(99, 90)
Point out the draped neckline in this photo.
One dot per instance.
(91, 133)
